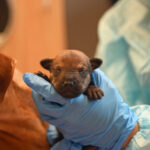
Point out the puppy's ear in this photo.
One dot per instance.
(46, 63)
(95, 63)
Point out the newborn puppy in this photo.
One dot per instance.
(70, 74)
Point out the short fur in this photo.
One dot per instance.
(70, 74)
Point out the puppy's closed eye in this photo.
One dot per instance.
(56, 70)
(82, 70)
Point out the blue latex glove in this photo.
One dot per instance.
(124, 45)
(105, 123)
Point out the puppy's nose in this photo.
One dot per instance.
(69, 82)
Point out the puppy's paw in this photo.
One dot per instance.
(43, 76)
(94, 93)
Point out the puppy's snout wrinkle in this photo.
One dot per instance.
(70, 81)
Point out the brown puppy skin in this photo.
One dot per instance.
(70, 74)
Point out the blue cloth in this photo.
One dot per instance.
(141, 140)
(105, 123)
(124, 46)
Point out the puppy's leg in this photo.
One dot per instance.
(94, 93)
(43, 76)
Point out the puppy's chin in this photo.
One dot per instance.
(69, 92)
(69, 95)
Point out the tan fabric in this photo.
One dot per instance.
(20, 125)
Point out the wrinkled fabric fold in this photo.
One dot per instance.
(124, 34)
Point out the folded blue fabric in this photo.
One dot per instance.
(124, 35)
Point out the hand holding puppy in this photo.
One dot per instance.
(81, 121)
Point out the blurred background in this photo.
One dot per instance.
(32, 30)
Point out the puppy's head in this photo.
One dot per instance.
(70, 72)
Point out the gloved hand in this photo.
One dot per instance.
(81, 121)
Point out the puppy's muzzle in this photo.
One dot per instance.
(69, 82)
